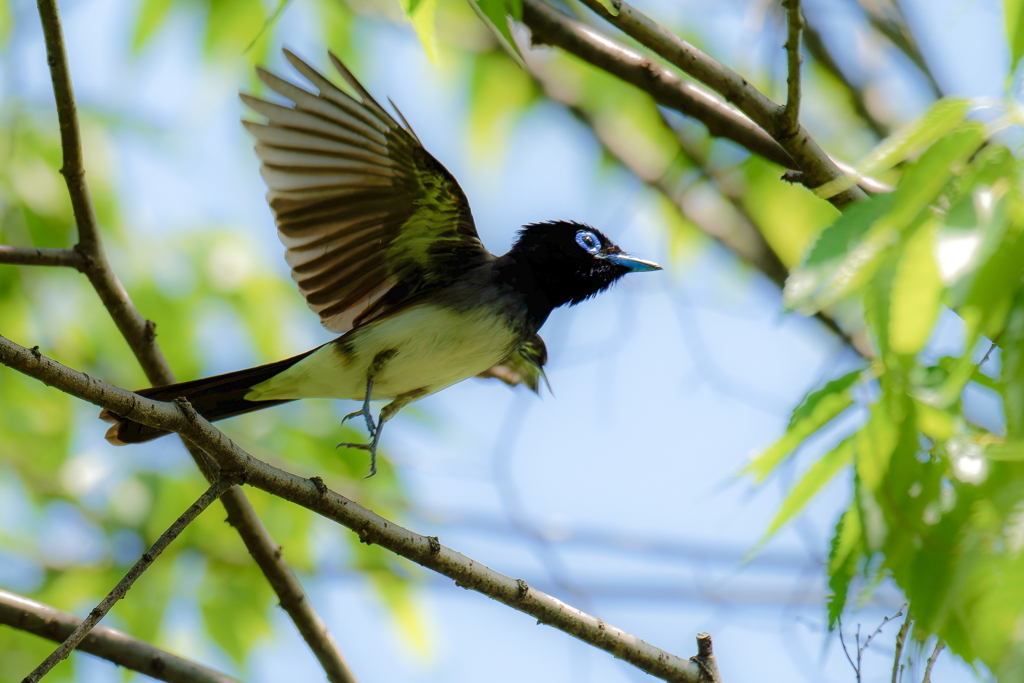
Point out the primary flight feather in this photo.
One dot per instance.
(382, 245)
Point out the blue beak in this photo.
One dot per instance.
(634, 264)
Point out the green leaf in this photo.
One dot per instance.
(269, 24)
(941, 119)
(1014, 30)
(423, 15)
(830, 250)
(816, 477)
(151, 16)
(6, 22)
(844, 552)
(235, 600)
(816, 410)
(1013, 370)
(499, 94)
(494, 14)
(916, 292)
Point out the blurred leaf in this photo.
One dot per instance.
(1014, 30)
(271, 21)
(423, 15)
(495, 14)
(232, 26)
(499, 94)
(819, 474)
(1013, 370)
(6, 22)
(830, 250)
(916, 292)
(235, 600)
(151, 16)
(816, 410)
(842, 562)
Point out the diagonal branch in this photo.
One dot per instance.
(314, 495)
(886, 17)
(124, 585)
(140, 335)
(815, 166)
(110, 644)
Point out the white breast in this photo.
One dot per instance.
(434, 348)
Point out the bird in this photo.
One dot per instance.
(382, 244)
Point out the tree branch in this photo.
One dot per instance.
(789, 119)
(140, 335)
(125, 584)
(114, 646)
(815, 166)
(901, 639)
(939, 646)
(549, 26)
(39, 256)
(886, 17)
(314, 495)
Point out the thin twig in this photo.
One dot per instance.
(790, 115)
(842, 640)
(885, 620)
(314, 495)
(901, 639)
(815, 166)
(887, 18)
(939, 646)
(39, 256)
(115, 646)
(122, 587)
(140, 335)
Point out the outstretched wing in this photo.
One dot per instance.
(369, 218)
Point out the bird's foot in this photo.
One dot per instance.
(371, 447)
(365, 412)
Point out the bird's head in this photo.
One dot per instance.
(572, 261)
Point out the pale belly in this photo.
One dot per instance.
(433, 348)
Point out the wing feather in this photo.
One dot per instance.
(369, 219)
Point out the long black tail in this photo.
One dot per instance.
(215, 398)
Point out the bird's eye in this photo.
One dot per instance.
(588, 241)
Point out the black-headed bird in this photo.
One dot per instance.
(382, 245)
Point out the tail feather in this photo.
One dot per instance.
(215, 398)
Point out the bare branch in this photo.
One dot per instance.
(140, 335)
(549, 26)
(292, 597)
(790, 117)
(39, 256)
(123, 586)
(901, 639)
(815, 166)
(939, 646)
(114, 646)
(371, 528)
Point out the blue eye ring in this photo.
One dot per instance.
(588, 241)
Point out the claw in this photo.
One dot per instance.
(372, 447)
(369, 420)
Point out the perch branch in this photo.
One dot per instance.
(314, 495)
(124, 585)
(110, 644)
(140, 335)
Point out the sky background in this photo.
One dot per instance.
(618, 493)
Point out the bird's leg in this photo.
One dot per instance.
(365, 410)
(386, 413)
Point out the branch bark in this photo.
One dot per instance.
(125, 584)
(789, 119)
(314, 495)
(815, 166)
(40, 256)
(140, 335)
(114, 646)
